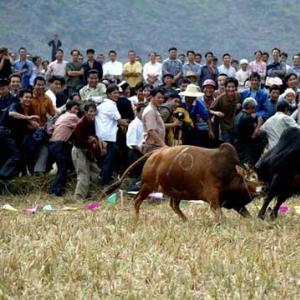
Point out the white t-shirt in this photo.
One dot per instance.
(241, 76)
(107, 120)
(152, 69)
(113, 68)
(135, 133)
(230, 72)
(52, 96)
(275, 126)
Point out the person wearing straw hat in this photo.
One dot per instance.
(196, 136)
(192, 76)
(208, 88)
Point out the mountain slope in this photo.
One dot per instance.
(237, 26)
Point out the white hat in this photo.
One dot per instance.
(244, 61)
(289, 91)
(192, 90)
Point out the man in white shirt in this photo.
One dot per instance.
(107, 120)
(57, 67)
(134, 141)
(275, 125)
(152, 70)
(55, 86)
(135, 132)
(113, 69)
(226, 68)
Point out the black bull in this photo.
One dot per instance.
(280, 170)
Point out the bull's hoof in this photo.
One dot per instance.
(273, 215)
(261, 216)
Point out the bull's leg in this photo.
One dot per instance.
(244, 212)
(171, 202)
(175, 205)
(272, 192)
(217, 212)
(267, 200)
(213, 200)
(280, 199)
(141, 196)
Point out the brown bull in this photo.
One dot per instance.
(188, 172)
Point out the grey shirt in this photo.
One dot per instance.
(77, 80)
(172, 66)
(196, 68)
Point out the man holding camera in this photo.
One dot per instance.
(166, 111)
(201, 132)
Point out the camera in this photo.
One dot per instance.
(179, 115)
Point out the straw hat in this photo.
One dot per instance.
(192, 90)
(191, 74)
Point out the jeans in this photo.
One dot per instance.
(227, 136)
(10, 152)
(107, 163)
(59, 152)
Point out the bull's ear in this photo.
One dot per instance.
(240, 170)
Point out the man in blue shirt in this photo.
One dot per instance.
(209, 70)
(261, 97)
(274, 94)
(14, 121)
(277, 68)
(91, 64)
(202, 131)
(259, 94)
(6, 98)
(24, 68)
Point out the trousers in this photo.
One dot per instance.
(86, 172)
(10, 154)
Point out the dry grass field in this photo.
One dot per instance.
(106, 254)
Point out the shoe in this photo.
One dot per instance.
(134, 187)
(4, 184)
(78, 199)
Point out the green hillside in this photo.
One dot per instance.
(235, 26)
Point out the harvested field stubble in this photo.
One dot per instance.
(106, 254)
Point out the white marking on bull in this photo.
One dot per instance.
(186, 161)
(175, 160)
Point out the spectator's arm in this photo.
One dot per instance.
(123, 123)
(164, 68)
(18, 116)
(2, 62)
(156, 137)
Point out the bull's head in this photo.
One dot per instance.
(243, 188)
(251, 180)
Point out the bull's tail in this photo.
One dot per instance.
(108, 190)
